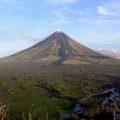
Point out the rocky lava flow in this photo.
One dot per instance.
(106, 105)
(109, 97)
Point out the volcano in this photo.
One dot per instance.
(58, 48)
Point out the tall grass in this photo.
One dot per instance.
(4, 109)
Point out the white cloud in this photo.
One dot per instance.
(14, 41)
(115, 50)
(101, 21)
(104, 11)
(61, 2)
(109, 39)
(62, 15)
(9, 37)
(29, 38)
(59, 14)
(111, 8)
(61, 21)
(59, 17)
(115, 53)
(69, 10)
(3, 47)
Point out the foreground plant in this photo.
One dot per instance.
(3, 111)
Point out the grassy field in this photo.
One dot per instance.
(42, 86)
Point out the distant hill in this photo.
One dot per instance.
(56, 49)
(110, 53)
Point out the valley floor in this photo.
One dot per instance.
(62, 93)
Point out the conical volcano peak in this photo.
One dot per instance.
(58, 36)
(58, 31)
(58, 48)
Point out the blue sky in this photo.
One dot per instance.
(95, 23)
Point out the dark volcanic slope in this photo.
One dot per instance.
(57, 48)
